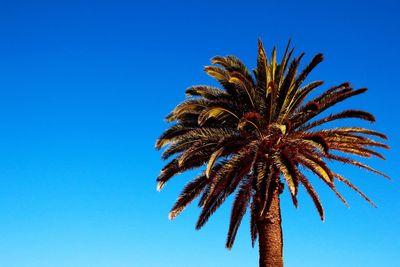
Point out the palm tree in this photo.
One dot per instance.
(257, 134)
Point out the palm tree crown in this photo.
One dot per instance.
(257, 134)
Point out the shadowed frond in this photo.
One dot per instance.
(311, 191)
(239, 208)
(190, 192)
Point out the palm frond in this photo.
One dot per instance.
(347, 114)
(188, 194)
(349, 184)
(357, 163)
(286, 169)
(233, 64)
(311, 191)
(239, 208)
(208, 92)
(253, 225)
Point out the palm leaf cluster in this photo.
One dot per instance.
(257, 133)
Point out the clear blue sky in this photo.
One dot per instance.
(84, 87)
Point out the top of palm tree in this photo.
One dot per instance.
(258, 130)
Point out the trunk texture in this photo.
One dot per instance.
(270, 235)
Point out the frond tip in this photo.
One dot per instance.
(159, 186)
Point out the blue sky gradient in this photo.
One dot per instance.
(84, 88)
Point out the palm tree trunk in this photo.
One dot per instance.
(270, 235)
